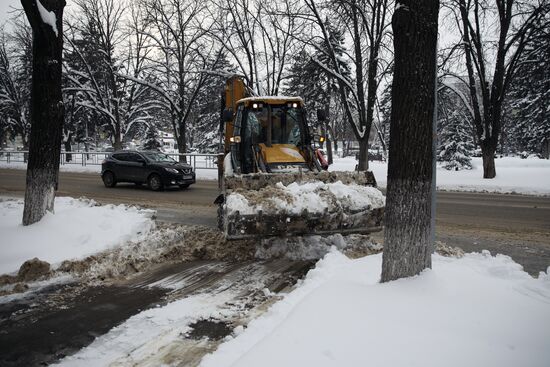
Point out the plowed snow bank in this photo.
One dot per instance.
(77, 229)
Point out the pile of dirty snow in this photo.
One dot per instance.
(313, 197)
(78, 228)
(477, 310)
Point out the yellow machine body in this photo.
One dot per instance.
(281, 153)
(267, 143)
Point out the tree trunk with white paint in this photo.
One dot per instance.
(408, 243)
(45, 17)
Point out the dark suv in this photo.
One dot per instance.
(154, 168)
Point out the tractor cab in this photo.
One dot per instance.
(269, 135)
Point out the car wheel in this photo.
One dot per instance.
(109, 179)
(155, 182)
(184, 186)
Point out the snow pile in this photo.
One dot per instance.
(78, 228)
(478, 310)
(313, 197)
(167, 243)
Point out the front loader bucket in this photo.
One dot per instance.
(282, 205)
(282, 225)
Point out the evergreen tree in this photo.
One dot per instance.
(454, 147)
(305, 81)
(528, 122)
(203, 133)
(455, 143)
(317, 87)
(152, 140)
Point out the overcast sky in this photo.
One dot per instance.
(5, 7)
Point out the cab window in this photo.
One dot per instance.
(286, 125)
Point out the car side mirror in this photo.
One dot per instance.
(321, 115)
(227, 115)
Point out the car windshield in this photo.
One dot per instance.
(159, 157)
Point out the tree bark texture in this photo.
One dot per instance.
(488, 156)
(408, 242)
(363, 157)
(68, 149)
(46, 110)
(329, 144)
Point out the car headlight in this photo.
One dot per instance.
(171, 170)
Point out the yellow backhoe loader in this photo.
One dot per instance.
(272, 182)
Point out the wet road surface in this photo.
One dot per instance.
(60, 320)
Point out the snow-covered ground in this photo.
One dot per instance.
(77, 229)
(514, 175)
(479, 310)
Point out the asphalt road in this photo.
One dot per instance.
(515, 225)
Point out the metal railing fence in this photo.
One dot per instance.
(197, 160)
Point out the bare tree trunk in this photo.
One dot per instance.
(363, 164)
(408, 242)
(117, 141)
(46, 109)
(182, 144)
(26, 149)
(488, 156)
(68, 149)
(363, 161)
(329, 144)
(328, 132)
